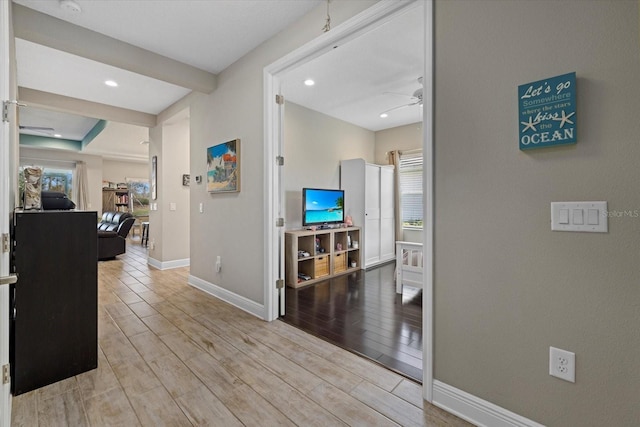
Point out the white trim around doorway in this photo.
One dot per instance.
(377, 14)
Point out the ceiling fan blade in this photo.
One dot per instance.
(404, 95)
(36, 128)
(400, 106)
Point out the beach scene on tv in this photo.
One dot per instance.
(323, 206)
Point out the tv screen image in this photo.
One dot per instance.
(322, 206)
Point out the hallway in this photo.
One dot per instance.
(170, 354)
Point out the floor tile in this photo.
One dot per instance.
(169, 354)
(156, 408)
(63, 409)
(110, 409)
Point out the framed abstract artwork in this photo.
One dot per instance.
(223, 167)
(154, 179)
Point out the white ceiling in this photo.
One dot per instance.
(207, 34)
(121, 141)
(352, 81)
(372, 74)
(50, 70)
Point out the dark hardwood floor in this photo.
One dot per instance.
(361, 312)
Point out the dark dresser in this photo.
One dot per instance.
(54, 304)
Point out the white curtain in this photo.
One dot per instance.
(394, 159)
(82, 187)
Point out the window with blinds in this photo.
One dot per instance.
(410, 173)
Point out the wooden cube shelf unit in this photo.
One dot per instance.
(311, 256)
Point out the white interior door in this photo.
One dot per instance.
(5, 408)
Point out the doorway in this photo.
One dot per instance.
(274, 76)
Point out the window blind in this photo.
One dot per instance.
(410, 173)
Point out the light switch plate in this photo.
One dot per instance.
(590, 217)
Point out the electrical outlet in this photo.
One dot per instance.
(562, 364)
(218, 264)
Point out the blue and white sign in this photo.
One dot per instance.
(547, 112)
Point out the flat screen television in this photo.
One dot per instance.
(322, 206)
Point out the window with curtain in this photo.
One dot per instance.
(410, 174)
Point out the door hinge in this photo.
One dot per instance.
(280, 160)
(5, 242)
(5, 109)
(6, 376)
(279, 99)
(279, 284)
(279, 222)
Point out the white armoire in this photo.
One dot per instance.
(368, 198)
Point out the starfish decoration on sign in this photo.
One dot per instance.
(564, 118)
(530, 125)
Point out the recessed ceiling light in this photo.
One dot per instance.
(309, 82)
(111, 83)
(384, 115)
(57, 135)
(70, 5)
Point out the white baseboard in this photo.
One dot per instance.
(476, 410)
(236, 300)
(166, 265)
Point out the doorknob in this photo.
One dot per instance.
(8, 280)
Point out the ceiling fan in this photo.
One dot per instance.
(415, 99)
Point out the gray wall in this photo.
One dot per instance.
(117, 171)
(175, 163)
(314, 144)
(407, 137)
(232, 224)
(506, 286)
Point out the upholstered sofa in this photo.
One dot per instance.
(112, 234)
(56, 200)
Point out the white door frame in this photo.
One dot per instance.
(5, 407)
(379, 13)
(428, 174)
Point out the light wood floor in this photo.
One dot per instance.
(170, 354)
